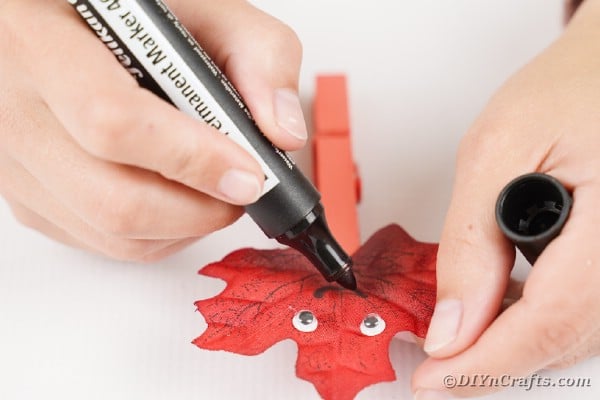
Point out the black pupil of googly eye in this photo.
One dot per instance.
(306, 317)
(372, 325)
(371, 321)
(305, 321)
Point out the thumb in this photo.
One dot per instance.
(260, 55)
(474, 259)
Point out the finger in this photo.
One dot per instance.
(261, 56)
(590, 348)
(557, 314)
(102, 107)
(474, 259)
(168, 250)
(118, 200)
(156, 252)
(36, 222)
(22, 188)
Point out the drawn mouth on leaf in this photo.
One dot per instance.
(320, 292)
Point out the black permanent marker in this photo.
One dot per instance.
(161, 54)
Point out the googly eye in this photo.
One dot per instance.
(305, 321)
(372, 325)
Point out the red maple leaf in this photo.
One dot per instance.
(270, 293)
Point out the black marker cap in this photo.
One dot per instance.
(531, 211)
(312, 237)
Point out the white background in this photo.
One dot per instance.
(76, 326)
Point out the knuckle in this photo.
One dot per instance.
(6, 116)
(153, 257)
(129, 250)
(25, 218)
(288, 39)
(565, 362)
(278, 41)
(221, 216)
(104, 120)
(211, 215)
(188, 164)
(6, 34)
(558, 336)
(166, 250)
(120, 215)
(11, 48)
(480, 140)
(493, 129)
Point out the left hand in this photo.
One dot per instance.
(544, 119)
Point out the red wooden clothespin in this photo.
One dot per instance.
(335, 172)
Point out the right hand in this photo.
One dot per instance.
(89, 158)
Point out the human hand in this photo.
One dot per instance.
(90, 159)
(544, 119)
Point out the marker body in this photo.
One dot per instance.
(531, 211)
(164, 57)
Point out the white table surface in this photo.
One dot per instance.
(77, 326)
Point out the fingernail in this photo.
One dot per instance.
(444, 325)
(424, 394)
(240, 187)
(288, 113)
